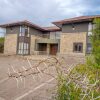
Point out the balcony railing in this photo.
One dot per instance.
(41, 53)
(45, 36)
(48, 36)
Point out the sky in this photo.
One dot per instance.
(43, 12)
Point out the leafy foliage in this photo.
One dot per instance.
(1, 44)
(1, 40)
(82, 83)
(95, 39)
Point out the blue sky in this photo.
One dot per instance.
(43, 12)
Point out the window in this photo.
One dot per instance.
(24, 31)
(89, 48)
(55, 35)
(23, 48)
(90, 26)
(58, 35)
(78, 47)
(52, 35)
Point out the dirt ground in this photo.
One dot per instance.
(39, 87)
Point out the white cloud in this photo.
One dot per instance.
(43, 12)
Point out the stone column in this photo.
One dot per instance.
(48, 49)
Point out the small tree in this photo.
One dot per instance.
(95, 40)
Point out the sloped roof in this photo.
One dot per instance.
(76, 19)
(25, 22)
(52, 28)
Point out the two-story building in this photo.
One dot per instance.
(68, 37)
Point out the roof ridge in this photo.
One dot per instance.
(25, 22)
(79, 17)
(76, 19)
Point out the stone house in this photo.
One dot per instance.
(67, 37)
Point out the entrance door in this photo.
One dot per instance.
(53, 49)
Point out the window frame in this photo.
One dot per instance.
(23, 31)
(23, 48)
(78, 44)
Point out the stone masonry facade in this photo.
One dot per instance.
(28, 38)
(10, 44)
(67, 40)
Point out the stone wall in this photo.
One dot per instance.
(10, 44)
(67, 40)
(35, 34)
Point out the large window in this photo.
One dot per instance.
(78, 47)
(23, 41)
(23, 48)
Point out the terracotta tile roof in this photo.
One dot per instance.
(52, 28)
(25, 22)
(76, 19)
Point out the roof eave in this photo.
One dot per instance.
(22, 23)
(60, 23)
(57, 24)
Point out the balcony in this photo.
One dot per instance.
(48, 38)
(45, 36)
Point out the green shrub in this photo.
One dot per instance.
(1, 48)
(1, 39)
(95, 40)
(1, 45)
(67, 90)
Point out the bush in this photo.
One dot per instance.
(82, 83)
(1, 48)
(1, 45)
(95, 39)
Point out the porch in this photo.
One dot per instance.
(46, 49)
(47, 46)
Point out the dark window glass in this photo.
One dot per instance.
(78, 47)
(89, 48)
(26, 31)
(75, 47)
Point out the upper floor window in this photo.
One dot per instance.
(24, 31)
(90, 28)
(55, 35)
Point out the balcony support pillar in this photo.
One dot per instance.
(48, 49)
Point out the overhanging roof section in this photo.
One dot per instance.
(28, 23)
(75, 20)
(52, 28)
(23, 23)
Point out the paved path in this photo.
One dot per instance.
(8, 86)
(40, 88)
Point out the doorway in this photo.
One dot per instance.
(53, 49)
